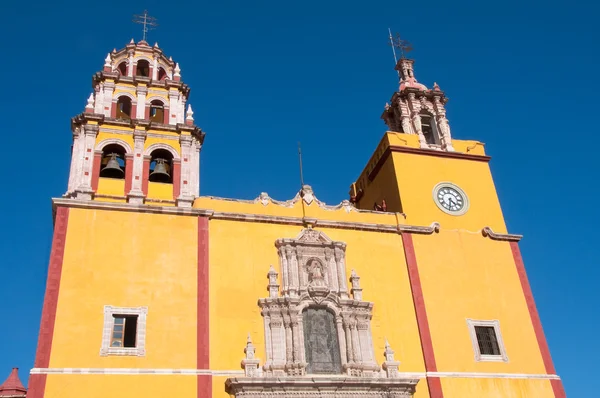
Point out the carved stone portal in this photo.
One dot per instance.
(313, 327)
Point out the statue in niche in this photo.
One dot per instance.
(315, 273)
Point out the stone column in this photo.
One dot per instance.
(76, 159)
(109, 89)
(293, 274)
(342, 339)
(185, 198)
(348, 336)
(136, 195)
(284, 270)
(341, 268)
(130, 65)
(84, 189)
(155, 67)
(173, 106)
(99, 103)
(141, 102)
(355, 342)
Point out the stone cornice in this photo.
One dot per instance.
(84, 118)
(300, 221)
(146, 81)
(487, 232)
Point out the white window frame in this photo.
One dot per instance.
(487, 358)
(109, 322)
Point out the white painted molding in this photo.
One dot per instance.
(132, 97)
(159, 145)
(100, 146)
(479, 357)
(140, 348)
(195, 372)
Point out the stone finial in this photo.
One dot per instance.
(114, 51)
(107, 60)
(250, 363)
(356, 290)
(436, 87)
(156, 45)
(307, 194)
(89, 108)
(273, 287)
(386, 106)
(390, 365)
(177, 72)
(189, 117)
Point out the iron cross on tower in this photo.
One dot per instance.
(147, 21)
(397, 43)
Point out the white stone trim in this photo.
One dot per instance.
(159, 145)
(164, 100)
(195, 372)
(140, 348)
(143, 57)
(471, 323)
(100, 146)
(449, 184)
(132, 97)
(128, 133)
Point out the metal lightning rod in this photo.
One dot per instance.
(300, 160)
(393, 47)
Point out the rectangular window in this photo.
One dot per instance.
(487, 341)
(124, 331)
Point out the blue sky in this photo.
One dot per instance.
(267, 74)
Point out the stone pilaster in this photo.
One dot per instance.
(83, 190)
(136, 195)
(186, 197)
(142, 91)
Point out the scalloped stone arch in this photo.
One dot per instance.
(109, 141)
(156, 97)
(166, 147)
(327, 303)
(168, 70)
(144, 58)
(133, 99)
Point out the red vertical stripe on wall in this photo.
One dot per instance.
(128, 172)
(113, 110)
(166, 115)
(145, 176)
(434, 383)
(134, 111)
(557, 386)
(176, 178)
(96, 170)
(37, 383)
(203, 359)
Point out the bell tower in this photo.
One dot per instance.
(136, 142)
(415, 109)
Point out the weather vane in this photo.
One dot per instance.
(147, 21)
(397, 43)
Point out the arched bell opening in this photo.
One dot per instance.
(157, 111)
(162, 74)
(113, 162)
(124, 108)
(161, 166)
(429, 128)
(143, 68)
(122, 68)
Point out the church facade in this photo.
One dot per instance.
(412, 287)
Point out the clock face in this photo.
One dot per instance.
(450, 198)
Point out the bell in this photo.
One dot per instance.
(112, 168)
(160, 173)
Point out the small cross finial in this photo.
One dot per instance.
(403, 45)
(146, 21)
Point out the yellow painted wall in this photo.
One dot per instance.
(381, 188)
(496, 388)
(120, 386)
(128, 260)
(238, 279)
(111, 186)
(464, 275)
(417, 175)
